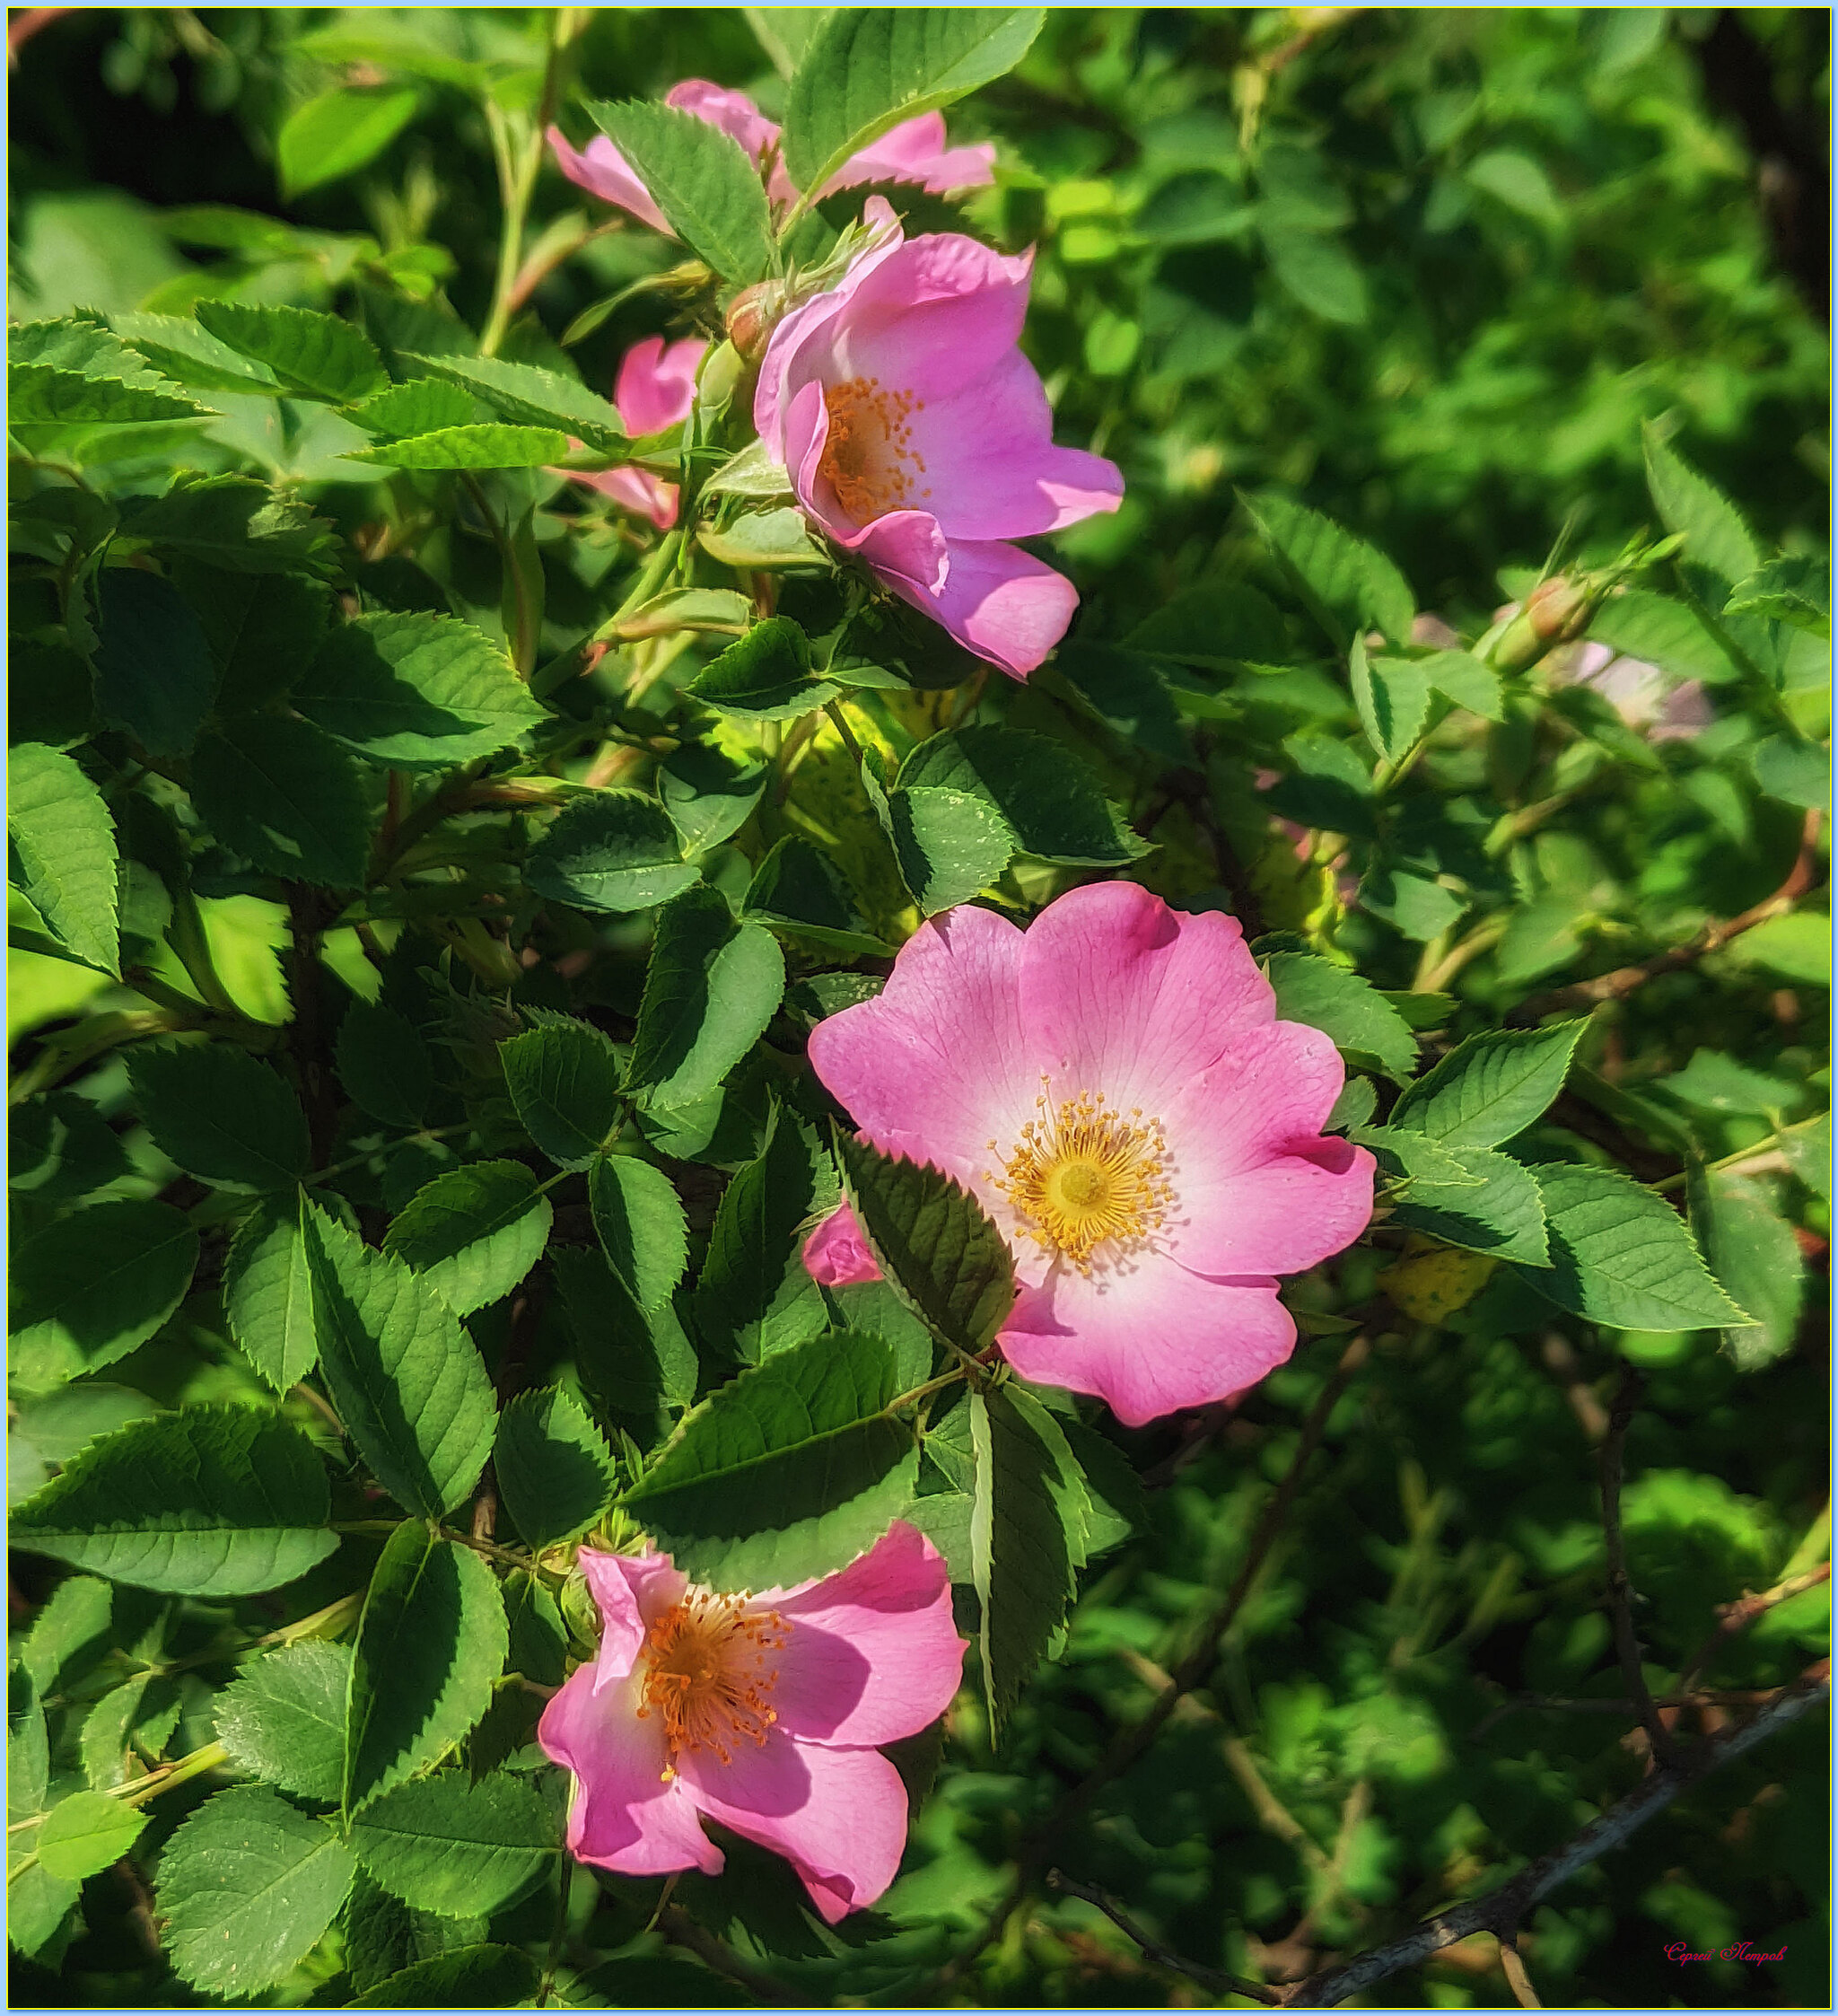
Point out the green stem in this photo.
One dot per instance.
(517, 173)
(188, 937)
(523, 571)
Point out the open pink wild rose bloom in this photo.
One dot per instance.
(1114, 1086)
(918, 437)
(913, 152)
(762, 1712)
(654, 389)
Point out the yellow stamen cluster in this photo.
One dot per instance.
(1083, 1175)
(868, 458)
(705, 1672)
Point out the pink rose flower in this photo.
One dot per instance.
(913, 152)
(763, 1713)
(655, 388)
(919, 437)
(1114, 1088)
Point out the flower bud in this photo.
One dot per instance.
(752, 316)
(1556, 611)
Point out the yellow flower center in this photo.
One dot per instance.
(705, 1672)
(1083, 1175)
(869, 460)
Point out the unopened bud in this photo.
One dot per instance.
(752, 316)
(1556, 612)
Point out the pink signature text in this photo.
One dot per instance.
(1681, 1955)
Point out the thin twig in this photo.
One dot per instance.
(1514, 1969)
(1509, 1905)
(1210, 1978)
(1625, 979)
(1619, 1590)
(1733, 1618)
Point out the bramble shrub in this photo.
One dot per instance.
(918, 942)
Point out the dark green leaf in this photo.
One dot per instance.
(283, 1718)
(444, 1844)
(789, 1471)
(238, 525)
(641, 1371)
(708, 793)
(1344, 1005)
(755, 1296)
(764, 676)
(318, 354)
(866, 70)
(407, 1381)
(1051, 803)
(285, 797)
(638, 1219)
(554, 1469)
(563, 1078)
(1715, 535)
(470, 1977)
(474, 1233)
(799, 889)
(1491, 1087)
(948, 845)
(87, 1290)
(154, 673)
(416, 691)
(70, 1632)
(710, 989)
(482, 445)
(211, 1501)
(248, 1886)
(222, 1114)
(268, 1292)
(431, 1646)
(1495, 1208)
(1347, 583)
(384, 1064)
(933, 1242)
(532, 397)
(702, 180)
(1393, 699)
(1620, 1257)
(64, 842)
(616, 851)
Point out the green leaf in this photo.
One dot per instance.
(444, 1844)
(1342, 1003)
(1808, 1152)
(70, 1632)
(61, 1147)
(382, 1936)
(532, 397)
(933, 1242)
(776, 537)
(1393, 699)
(318, 354)
(1460, 677)
(407, 1381)
(1318, 271)
(267, 1293)
(64, 843)
(866, 69)
(248, 1886)
(86, 1291)
(1796, 948)
(239, 526)
(221, 1114)
(470, 1977)
(154, 673)
(763, 676)
(1346, 583)
(615, 851)
(563, 1078)
(1658, 631)
(948, 845)
(283, 1718)
(1049, 800)
(285, 797)
(384, 1064)
(710, 989)
(177, 345)
(424, 406)
(554, 1471)
(1715, 535)
(708, 793)
(1519, 181)
(1491, 1087)
(211, 1501)
(430, 1644)
(1023, 1568)
(338, 133)
(474, 1233)
(1757, 1260)
(143, 1712)
(788, 1472)
(1795, 771)
(639, 1370)
(1411, 1159)
(701, 178)
(1494, 1208)
(799, 889)
(263, 628)
(1620, 1257)
(1796, 589)
(480, 445)
(755, 1296)
(85, 1832)
(36, 394)
(416, 691)
(638, 1219)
